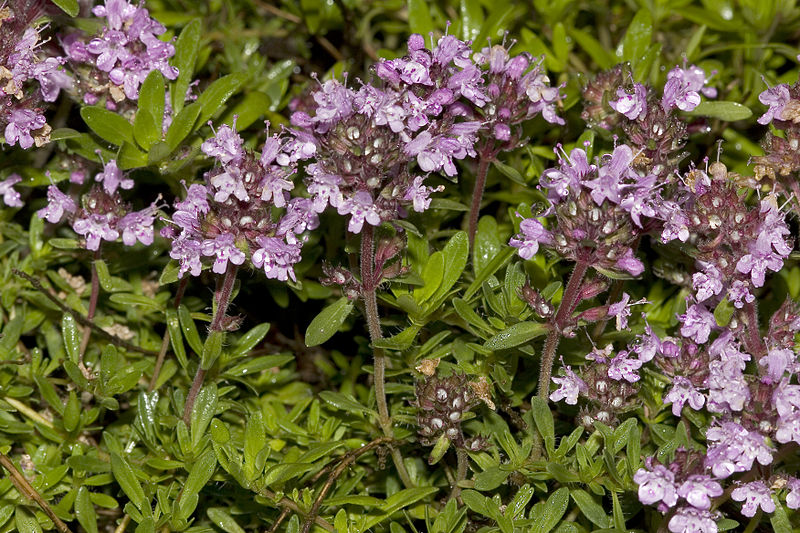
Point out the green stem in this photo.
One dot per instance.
(162, 353)
(223, 299)
(477, 194)
(87, 333)
(565, 309)
(461, 473)
(369, 283)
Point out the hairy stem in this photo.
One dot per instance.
(461, 472)
(87, 333)
(223, 299)
(370, 282)
(565, 309)
(27, 490)
(485, 158)
(754, 341)
(162, 353)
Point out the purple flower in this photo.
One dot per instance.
(683, 391)
(697, 323)
(419, 194)
(226, 146)
(324, 188)
(707, 283)
(229, 183)
(754, 495)
(656, 486)
(570, 386)
(532, 233)
(109, 49)
(788, 428)
(793, 498)
(138, 225)
(698, 490)
(607, 185)
(187, 252)
(10, 196)
(776, 98)
(633, 105)
(629, 263)
(276, 257)
(360, 208)
(572, 169)
(777, 362)
(112, 178)
(681, 89)
(96, 227)
(58, 203)
(21, 122)
(620, 367)
(224, 248)
(621, 310)
(692, 520)
(727, 387)
(733, 449)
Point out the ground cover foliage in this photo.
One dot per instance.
(489, 266)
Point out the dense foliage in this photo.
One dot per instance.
(488, 266)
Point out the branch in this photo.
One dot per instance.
(25, 488)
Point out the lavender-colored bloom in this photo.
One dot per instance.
(543, 97)
(777, 362)
(697, 323)
(109, 49)
(569, 387)
(707, 283)
(683, 391)
(621, 367)
(754, 495)
(727, 349)
(300, 216)
(656, 486)
(629, 263)
(786, 398)
(10, 196)
(21, 122)
(607, 185)
(226, 146)
(788, 428)
(224, 248)
(96, 227)
(532, 233)
(58, 203)
(323, 188)
(698, 490)
(732, 448)
(776, 98)
(360, 208)
(676, 225)
(727, 387)
(112, 178)
(419, 194)
(621, 310)
(692, 520)
(793, 498)
(683, 87)
(187, 252)
(229, 183)
(276, 257)
(138, 225)
(573, 168)
(633, 105)
(275, 187)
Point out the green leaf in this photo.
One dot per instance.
(212, 349)
(515, 335)
(638, 37)
(108, 125)
(151, 98)
(189, 329)
(432, 275)
(475, 501)
(205, 406)
(201, 472)
(471, 19)
(249, 340)
(439, 449)
(186, 47)
(72, 338)
(130, 156)
(70, 7)
(128, 299)
(554, 509)
(406, 497)
(419, 17)
(491, 478)
(223, 520)
(126, 478)
(543, 418)
(593, 47)
(495, 264)
(344, 403)
(723, 110)
(285, 471)
(61, 134)
(145, 128)
(328, 322)
(779, 519)
(216, 94)
(590, 508)
(25, 522)
(724, 312)
(72, 412)
(456, 254)
(182, 125)
(84, 511)
(175, 336)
